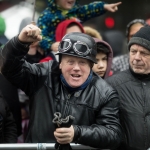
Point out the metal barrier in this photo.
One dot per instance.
(39, 146)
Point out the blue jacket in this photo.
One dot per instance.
(51, 16)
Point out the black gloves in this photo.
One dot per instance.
(62, 122)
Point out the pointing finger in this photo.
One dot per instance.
(117, 4)
(116, 8)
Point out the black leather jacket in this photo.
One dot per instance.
(134, 94)
(95, 108)
(8, 128)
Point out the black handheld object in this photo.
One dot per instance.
(62, 122)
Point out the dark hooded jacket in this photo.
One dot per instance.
(134, 99)
(95, 108)
(109, 57)
(8, 128)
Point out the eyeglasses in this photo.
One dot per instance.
(79, 47)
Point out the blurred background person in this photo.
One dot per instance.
(8, 128)
(3, 38)
(9, 91)
(92, 32)
(36, 53)
(25, 115)
(121, 63)
(116, 40)
(10, 94)
(148, 21)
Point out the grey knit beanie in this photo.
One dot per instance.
(142, 38)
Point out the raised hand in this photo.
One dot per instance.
(112, 7)
(30, 33)
(54, 46)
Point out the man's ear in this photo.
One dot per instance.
(60, 66)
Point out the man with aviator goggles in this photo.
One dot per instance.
(68, 88)
(79, 47)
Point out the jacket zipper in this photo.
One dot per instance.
(66, 109)
(146, 140)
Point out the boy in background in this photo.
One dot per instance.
(104, 59)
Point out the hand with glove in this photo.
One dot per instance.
(64, 133)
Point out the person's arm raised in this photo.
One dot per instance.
(112, 7)
(30, 33)
(13, 65)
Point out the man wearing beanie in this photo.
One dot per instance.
(133, 87)
(121, 62)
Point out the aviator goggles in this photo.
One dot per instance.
(80, 48)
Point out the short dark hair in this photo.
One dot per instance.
(102, 48)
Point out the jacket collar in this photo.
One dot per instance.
(83, 86)
(139, 76)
